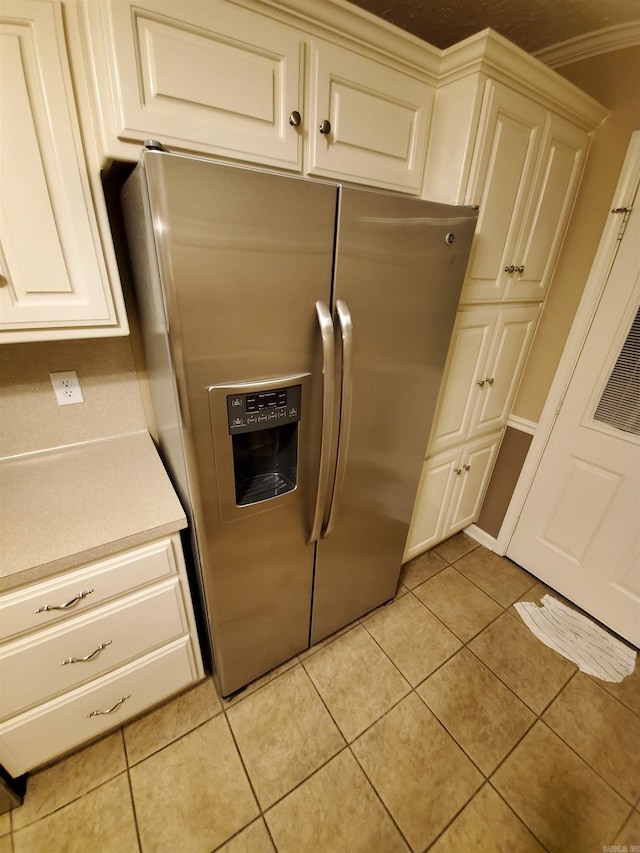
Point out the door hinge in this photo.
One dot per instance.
(626, 213)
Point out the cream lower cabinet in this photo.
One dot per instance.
(53, 278)
(452, 487)
(486, 356)
(367, 122)
(89, 649)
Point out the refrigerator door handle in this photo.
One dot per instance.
(328, 391)
(346, 395)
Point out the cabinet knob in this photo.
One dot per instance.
(520, 268)
(325, 127)
(458, 470)
(510, 268)
(480, 382)
(295, 119)
(467, 467)
(490, 380)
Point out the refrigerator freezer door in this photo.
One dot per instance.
(244, 256)
(398, 278)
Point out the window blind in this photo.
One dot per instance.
(619, 404)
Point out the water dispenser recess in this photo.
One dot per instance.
(264, 435)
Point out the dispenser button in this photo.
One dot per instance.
(238, 422)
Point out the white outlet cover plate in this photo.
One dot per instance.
(67, 387)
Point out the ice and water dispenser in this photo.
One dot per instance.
(262, 425)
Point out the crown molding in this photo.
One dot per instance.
(590, 44)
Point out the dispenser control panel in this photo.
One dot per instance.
(263, 409)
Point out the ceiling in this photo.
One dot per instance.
(531, 24)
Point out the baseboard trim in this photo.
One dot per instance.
(522, 424)
(481, 536)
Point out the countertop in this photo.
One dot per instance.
(72, 505)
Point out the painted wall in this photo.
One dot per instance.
(612, 79)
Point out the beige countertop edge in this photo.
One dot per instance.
(73, 505)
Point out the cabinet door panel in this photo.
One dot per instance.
(510, 345)
(430, 511)
(560, 165)
(379, 120)
(471, 483)
(55, 282)
(509, 133)
(465, 367)
(207, 77)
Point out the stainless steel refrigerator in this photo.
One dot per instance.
(295, 333)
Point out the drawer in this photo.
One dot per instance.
(83, 588)
(33, 669)
(64, 723)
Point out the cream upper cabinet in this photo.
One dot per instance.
(207, 77)
(524, 177)
(484, 364)
(54, 281)
(367, 122)
(451, 491)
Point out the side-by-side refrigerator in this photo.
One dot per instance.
(295, 333)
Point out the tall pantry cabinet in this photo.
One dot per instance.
(524, 145)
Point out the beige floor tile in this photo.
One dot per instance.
(258, 683)
(194, 794)
(420, 773)
(602, 731)
(70, 778)
(321, 644)
(458, 603)
(566, 805)
(412, 637)
(630, 833)
(421, 568)
(627, 690)
(5, 824)
(6, 844)
(254, 839)
(335, 811)
(455, 547)
(497, 576)
(483, 715)
(532, 670)
(356, 680)
(170, 721)
(102, 821)
(284, 733)
(487, 824)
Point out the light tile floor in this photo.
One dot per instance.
(438, 722)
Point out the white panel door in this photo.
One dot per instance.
(378, 120)
(578, 530)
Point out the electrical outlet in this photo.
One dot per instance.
(67, 387)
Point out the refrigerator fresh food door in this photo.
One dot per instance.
(244, 257)
(400, 264)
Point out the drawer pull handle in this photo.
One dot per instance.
(66, 603)
(112, 708)
(87, 657)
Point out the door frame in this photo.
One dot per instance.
(594, 288)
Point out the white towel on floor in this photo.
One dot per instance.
(578, 639)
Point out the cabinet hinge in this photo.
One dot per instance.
(626, 213)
